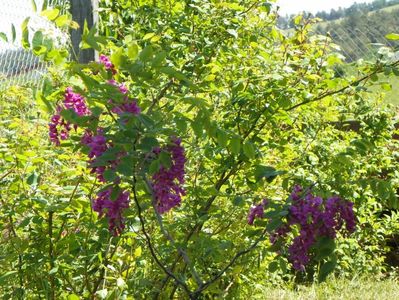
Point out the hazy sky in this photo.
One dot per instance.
(294, 6)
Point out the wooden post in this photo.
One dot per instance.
(82, 10)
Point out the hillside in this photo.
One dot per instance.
(362, 34)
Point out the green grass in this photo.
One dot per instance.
(338, 289)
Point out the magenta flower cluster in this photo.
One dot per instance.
(59, 128)
(167, 182)
(315, 218)
(112, 209)
(257, 211)
(97, 146)
(107, 63)
(128, 106)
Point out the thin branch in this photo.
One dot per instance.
(171, 239)
(70, 200)
(160, 95)
(353, 83)
(233, 260)
(6, 174)
(151, 247)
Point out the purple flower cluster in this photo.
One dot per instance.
(76, 102)
(129, 105)
(103, 204)
(315, 218)
(257, 211)
(167, 183)
(97, 145)
(58, 127)
(107, 63)
(112, 209)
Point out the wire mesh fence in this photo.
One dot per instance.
(19, 66)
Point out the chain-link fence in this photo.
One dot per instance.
(17, 65)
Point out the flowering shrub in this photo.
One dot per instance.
(107, 203)
(247, 103)
(309, 219)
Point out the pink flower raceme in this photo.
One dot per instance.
(112, 209)
(315, 218)
(76, 102)
(129, 105)
(97, 146)
(256, 211)
(107, 63)
(167, 183)
(58, 127)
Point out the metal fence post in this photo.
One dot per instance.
(82, 10)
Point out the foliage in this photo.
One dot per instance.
(256, 111)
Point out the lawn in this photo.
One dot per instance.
(337, 289)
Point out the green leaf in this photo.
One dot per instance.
(326, 269)
(34, 6)
(165, 160)
(32, 179)
(249, 150)
(238, 201)
(53, 270)
(197, 127)
(25, 33)
(273, 266)
(13, 33)
(148, 36)
(324, 248)
(73, 297)
(50, 14)
(117, 57)
(133, 51)
(4, 277)
(154, 167)
(392, 36)
(222, 138)
(174, 73)
(148, 143)
(62, 21)
(298, 19)
(146, 54)
(235, 145)
(267, 172)
(273, 225)
(210, 77)
(37, 39)
(3, 36)
(109, 175)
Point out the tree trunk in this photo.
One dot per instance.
(83, 10)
